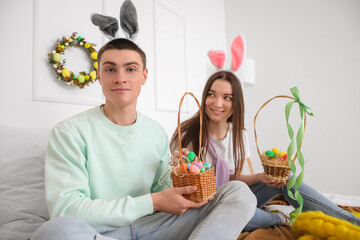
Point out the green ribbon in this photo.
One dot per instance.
(295, 181)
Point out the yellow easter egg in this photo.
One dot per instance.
(62, 46)
(57, 57)
(87, 45)
(275, 150)
(65, 72)
(87, 77)
(94, 55)
(81, 78)
(70, 40)
(93, 75)
(281, 154)
(96, 65)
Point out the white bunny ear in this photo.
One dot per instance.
(108, 25)
(128, 19)
(238, 52)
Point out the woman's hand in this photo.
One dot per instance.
(171, 200)
(272, 183)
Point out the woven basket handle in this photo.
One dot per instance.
(179, 124)
(256, 139)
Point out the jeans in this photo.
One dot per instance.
(223, 218)
(313, 201)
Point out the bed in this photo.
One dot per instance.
(22, 203)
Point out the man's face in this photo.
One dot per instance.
(121, 75)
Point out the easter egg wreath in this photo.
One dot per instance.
(57, 61)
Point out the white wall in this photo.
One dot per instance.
(314, 45)
(17, 107)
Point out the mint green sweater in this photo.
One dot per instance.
(104, 173)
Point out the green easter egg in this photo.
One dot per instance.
(191, 156)
(202, 169)
(81, 79)
(78, 38)
(270, 154)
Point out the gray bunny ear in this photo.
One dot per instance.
(128, 19)
(108, 25)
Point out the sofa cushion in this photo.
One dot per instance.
(22, 202)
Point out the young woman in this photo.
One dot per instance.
(226, 146)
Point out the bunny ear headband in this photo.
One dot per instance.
(217, 57)
(110, 25)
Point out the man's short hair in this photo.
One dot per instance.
(122, 44)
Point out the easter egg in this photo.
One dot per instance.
(270, 154)
(65, 72)
(96, 65)
(57, 57)
(285, 157)
(78, 38)
(281, 154)
(93, 55)
(199, 165)
(183, 167)
(194, 169)
(191, 156)
(202, 169)
(81, 78)
(208, 166)
(87, 77)
(87, 45)
(275, 150)
(93, 75)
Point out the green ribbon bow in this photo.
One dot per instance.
(295, 181)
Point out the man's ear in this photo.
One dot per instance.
(98, 76)
(145, 73)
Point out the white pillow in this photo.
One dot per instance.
(22, 202)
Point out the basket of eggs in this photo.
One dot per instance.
(275, 162)
(190, 170)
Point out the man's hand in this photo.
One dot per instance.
(171, 200)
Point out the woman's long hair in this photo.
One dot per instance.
(190, 128)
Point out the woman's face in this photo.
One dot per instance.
(219, 101)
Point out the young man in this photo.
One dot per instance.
(103, 165)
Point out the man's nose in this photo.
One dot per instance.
(121, 77)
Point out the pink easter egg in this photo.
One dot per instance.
(194, 169)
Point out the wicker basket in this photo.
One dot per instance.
(205, 181)
(274, 168)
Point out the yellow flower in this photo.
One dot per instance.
(94, 55)
(93, 75)
(87, 45)
(65, 72)
(87, 77)
(96, 65)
